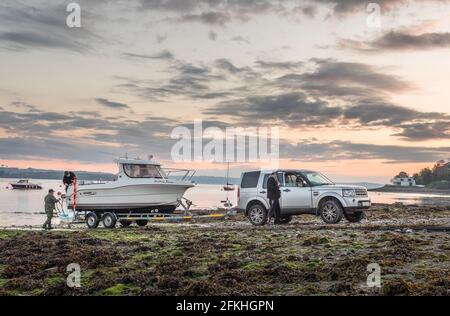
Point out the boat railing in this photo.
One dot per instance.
(181, 174)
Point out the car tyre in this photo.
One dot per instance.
(331, 211)
(355, 217)
(284, 220)
(257, 215)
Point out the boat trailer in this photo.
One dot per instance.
(109, 219)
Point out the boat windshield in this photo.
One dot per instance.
(143, 171)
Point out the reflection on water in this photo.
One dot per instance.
(19, 207)
(409, 198)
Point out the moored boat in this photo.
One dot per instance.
(25, 184)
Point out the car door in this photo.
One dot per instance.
(248, 188)
(295, 195)
(262, 193)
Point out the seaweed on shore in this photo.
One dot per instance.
(232, 257)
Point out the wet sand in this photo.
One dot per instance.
(231, 257)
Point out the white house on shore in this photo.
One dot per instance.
(404, 181)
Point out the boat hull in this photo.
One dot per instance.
(127, 197)
(25, 186)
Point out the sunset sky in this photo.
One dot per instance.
(357, 102)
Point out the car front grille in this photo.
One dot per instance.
(361, 192)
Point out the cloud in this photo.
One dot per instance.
(186, 80)
(399, 41)
(93, 138)
(163, 55)
(345, 7)
(345, 150)
(212, 36)
(26, 27)
(303, 94)
(293, 109)
(111, 104)
(26, 106)
(282, 65)
(37, 136)
(426, 130)
(336, 73)
(161, 38)
(210, 18)
(297, 110)
(223, 12)
(240, 39)
(227, 65)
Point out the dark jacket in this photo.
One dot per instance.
(273, 190)
(69, 177)
(50, 202)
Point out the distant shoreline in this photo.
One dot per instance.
(399, 189)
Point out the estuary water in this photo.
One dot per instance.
(26, 207)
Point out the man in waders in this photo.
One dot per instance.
(50, 202)
(273, 194)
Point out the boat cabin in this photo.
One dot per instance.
(137, 168)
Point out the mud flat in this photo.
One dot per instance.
(231, 257)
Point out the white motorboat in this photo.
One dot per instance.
(25, 184)
(140, 186)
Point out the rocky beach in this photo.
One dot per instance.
(411, 244)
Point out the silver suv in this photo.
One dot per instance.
(302, 192)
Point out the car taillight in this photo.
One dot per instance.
(238, 193)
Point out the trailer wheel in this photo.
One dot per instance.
(109, 220)
(141, 222)
(167, 209)
(92, 220)
(125, 222)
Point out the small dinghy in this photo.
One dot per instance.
(228, 186)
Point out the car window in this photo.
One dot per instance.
(250, 179)
(266, 177)
(293, 180)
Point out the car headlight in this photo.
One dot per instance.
(348, 193)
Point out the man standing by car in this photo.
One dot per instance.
(273, 194)
(50, 202)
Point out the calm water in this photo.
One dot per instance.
(19, 207)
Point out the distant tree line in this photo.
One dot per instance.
(439, 172)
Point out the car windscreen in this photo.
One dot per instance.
(317, 179)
